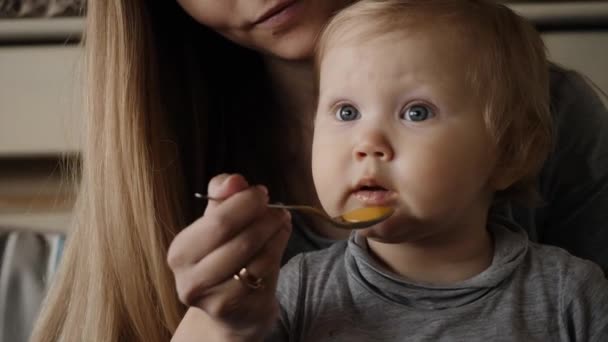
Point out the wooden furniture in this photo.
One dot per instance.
(40, 115)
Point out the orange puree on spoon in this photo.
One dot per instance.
(366, 214)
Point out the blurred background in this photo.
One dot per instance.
(40, 116)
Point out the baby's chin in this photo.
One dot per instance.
(384, 233)
(396, 232)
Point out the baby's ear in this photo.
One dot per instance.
(503, 178)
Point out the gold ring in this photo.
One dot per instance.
(249, 280)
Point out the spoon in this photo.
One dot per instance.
(355, 219)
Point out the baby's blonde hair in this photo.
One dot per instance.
(508, 71)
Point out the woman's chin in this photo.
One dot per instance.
(297, 44)
(292, 51)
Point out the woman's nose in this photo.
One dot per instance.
(374, 146)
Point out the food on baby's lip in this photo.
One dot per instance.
(367, 214)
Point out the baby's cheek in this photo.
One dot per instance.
(323, 159)
(324, 177)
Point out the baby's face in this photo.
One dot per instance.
(395, 126)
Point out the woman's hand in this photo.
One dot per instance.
(235, 233)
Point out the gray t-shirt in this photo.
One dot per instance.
(530, 292)
(573, 182)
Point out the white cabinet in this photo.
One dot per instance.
(40, 107)
(40, 118)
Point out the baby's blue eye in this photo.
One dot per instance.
(347, 113)
(416, 113)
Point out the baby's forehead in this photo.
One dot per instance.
(436, 45)
(367, 20)
(384, 35)
(396, 64)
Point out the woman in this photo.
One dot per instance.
(171, 103)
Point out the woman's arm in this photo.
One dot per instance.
(198, 326)
(574, 181)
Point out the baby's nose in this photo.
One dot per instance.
(376, 147)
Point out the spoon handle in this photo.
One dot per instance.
(301, 208)
(311, 210)
(269, 205)
(337, 222)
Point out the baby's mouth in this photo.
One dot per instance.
(374, 195)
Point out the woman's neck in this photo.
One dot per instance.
(294, 85)
(449, 259)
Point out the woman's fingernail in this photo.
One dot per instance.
(263, 188)
(225, 181)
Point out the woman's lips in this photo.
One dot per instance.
(375, 197)
(280, 15)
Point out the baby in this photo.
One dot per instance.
(439, 109)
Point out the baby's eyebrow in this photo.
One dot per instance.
(332, 100)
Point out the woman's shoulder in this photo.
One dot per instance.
(563, 77)
(580, 118)
(569, 87)
(574, 179)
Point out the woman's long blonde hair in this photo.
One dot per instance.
(146, 143)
